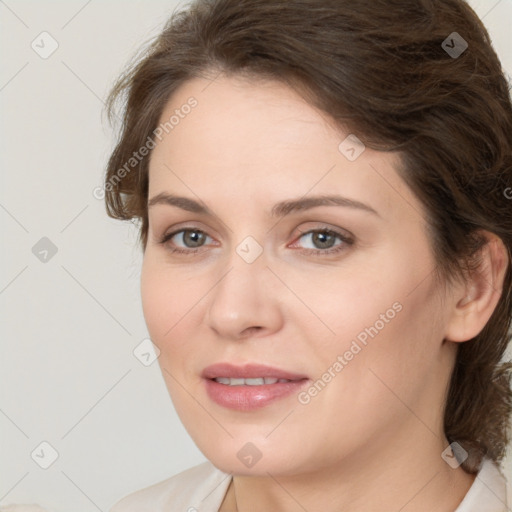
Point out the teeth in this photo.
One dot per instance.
(260, 381)
(222, 380)
(253, 382)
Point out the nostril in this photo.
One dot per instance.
(252, 330)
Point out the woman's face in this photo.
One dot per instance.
(252, 286)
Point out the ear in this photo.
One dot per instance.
(475, 300)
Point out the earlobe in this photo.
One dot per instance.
(477, 299)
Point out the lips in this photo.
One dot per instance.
(249, 387)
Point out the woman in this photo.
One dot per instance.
(327, 236)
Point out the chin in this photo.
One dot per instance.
(251, 459)
(260, 468)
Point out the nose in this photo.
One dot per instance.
(245, 301)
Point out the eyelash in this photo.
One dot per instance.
(347, 241)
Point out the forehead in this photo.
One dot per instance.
(261, 140)
(245, 119)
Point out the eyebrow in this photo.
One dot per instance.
(278, 210)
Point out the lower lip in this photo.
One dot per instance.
(247, 398)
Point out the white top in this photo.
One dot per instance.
(203, 487)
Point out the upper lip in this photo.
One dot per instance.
(248, 371)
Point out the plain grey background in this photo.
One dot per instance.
(71, 319)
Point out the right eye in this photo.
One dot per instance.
(191, 239)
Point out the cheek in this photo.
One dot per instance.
(154, 301)
(172, 302)
(385, 318)
(389, 348)
(362, 382)
(168, 300)
(166, 296)
(164, 311)
(341, 306)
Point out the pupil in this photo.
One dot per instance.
(193, 237)
(320, 239)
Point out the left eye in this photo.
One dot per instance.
(324, 240)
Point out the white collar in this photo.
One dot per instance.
(488, 492)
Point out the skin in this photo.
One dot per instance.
(372, 438)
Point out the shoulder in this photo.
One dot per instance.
(488, 492)
(197, 489)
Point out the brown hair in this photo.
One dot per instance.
(387, 71)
